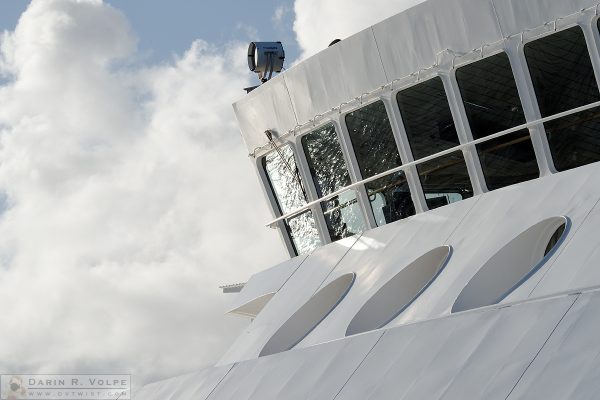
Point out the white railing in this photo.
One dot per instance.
(404, 167)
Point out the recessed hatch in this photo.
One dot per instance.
(307, 317)
(513, 264)
(399, 292)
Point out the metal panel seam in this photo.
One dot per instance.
(542, 347)
(447, 241)
(287, 90)
(336, 264)
(387, 79)
(221, 380)
(358, 366)
(564, 247)
(292, 274)
(497, 18)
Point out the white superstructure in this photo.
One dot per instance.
(438, 176)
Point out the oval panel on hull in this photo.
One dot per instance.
(513, 264)
(307, 317)
(399, 292)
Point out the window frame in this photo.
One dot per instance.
(415, 189)
(592, 40)
(276, 210)
(538, 153)
(311, 185)
(457, 117)
(445, 68)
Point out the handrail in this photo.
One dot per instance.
(462, 146)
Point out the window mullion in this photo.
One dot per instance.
(274, 207)
(412, 175)
(311, 192)
(464, 133)
(531, 110)
(354, 171)
(590, 32)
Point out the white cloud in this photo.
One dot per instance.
(318, 22)
(128, 198)
(280, 12)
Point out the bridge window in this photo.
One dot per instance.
(491, 100)
(430, 129)
(284, 178)
(376, 152)
(563, 79)
(329, 174)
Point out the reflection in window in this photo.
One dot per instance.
(376, 152)
(390, 198)
(285, 182)
(563, 78)
(430, 129)
(343, 215)
(303, 232)
(491, 100)
(575, 139)
(329, 174)
(445, 180)
(427, 118)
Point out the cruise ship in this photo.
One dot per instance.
(435, 180)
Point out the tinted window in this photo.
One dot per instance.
(390, 198)
(427, 118)
(561, 71)
(376, 152)
(430, 129)
(563, 78)
(491, 100)
(329, 174)
(445, 180)
(285, 182)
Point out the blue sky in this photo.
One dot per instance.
(165, 28)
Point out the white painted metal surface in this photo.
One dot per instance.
(193, 386)
(414, 39)
(263, 283)
(579, 263)
(538, 342)
(512, 264)
(515, 16)
(297, 291)
(568, 366)
(315, 373)
(395, 295)
(475, 355)
(309, 315)
(266, 107)
(545, 348)
(379, 255)
(338, 74)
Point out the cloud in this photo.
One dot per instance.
(280, 12)
(317, 22)
(127, 198)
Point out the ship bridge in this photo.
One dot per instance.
(435, 179)
(445, 101)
